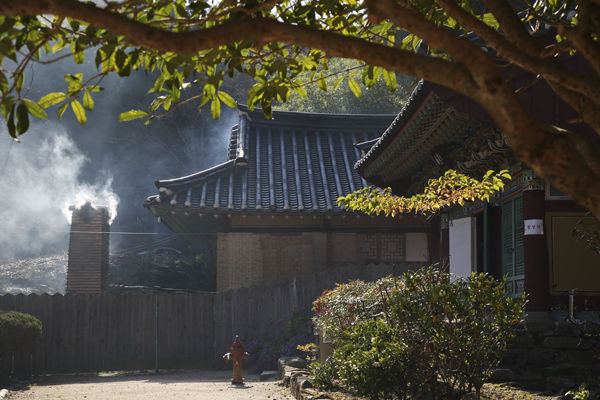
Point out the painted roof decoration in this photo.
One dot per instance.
(428, 137)
(294, 163)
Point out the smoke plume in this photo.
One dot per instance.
(40, 178)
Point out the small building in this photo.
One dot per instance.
(272, 202)
(526, 232)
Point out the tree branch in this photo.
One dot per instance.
(550, 151)
(257, 29)
(512, 26)
(588, 111)
(457, 47)
(580, 35)
(550, 69)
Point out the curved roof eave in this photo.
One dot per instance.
(418, 95)
(185, 180)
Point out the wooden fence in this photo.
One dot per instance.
(130, 331)
(116, 331)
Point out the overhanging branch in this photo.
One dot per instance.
(533, 60)
(260, 30)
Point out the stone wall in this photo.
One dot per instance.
(554, 354)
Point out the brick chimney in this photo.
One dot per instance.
(87, 270)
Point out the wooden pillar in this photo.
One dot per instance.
(537, 283)
(444, 242)
(494, 241)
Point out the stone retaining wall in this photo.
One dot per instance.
(552, 353)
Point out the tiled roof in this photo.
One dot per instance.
(428, 137)
(296, 162)
(425, 123)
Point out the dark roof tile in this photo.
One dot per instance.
(297, 162)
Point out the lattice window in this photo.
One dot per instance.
(384, 247)
(392, 247)
(370, 247)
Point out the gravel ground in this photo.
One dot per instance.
(203, 385)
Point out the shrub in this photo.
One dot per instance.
(324, 373)
(374, 360)
(18, 331)
(347, 304)
(425, 334)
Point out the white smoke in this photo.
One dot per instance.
(39, 180)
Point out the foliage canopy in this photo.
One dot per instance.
(282, 43)
(447, 190)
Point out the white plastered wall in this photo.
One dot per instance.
(417, 247)
(462, 246)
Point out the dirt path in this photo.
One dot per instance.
(202, 385)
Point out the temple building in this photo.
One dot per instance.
(528, 233)
(272, 203)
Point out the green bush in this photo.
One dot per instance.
(323, 373)
(424, 335)
(18, 331)
(338, 309)
(375, 361)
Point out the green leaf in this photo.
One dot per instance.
(79, 111)
(51, 99)
(491, 21)
(158, 83)
(22, 118)
(322, 83)
(209, 90)
(132, 114)
(215, 109)
(74, 82)
(10, 123)
(94, 88)
(19, 82)
(354, 87)
(35, 109)
(98, 58)
(227, 99)
(61, 110)
(301, 91)
(204, 100)
(3, 83)
(120, 58)
(267, 109)
(175, 94)
(78, 57)
(74, 24)
(88, 102)
(58, 46)
(390, 79)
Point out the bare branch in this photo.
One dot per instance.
(512, 26)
